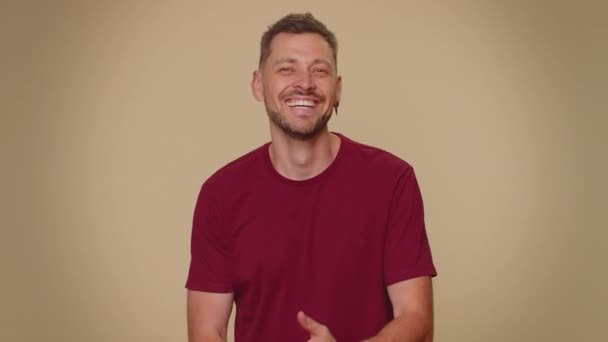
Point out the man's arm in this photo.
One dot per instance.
(412, 302)
(208, 315)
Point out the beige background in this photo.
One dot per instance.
(114, 112)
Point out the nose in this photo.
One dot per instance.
(305, 81)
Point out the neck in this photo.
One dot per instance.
(302, 159)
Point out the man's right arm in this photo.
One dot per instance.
(208, 315)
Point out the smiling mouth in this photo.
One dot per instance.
(301, 103)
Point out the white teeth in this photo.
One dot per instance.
(301, 103)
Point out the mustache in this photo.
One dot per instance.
(297, 92)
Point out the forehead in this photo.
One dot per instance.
(302, 45)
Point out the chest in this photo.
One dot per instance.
(329, 234)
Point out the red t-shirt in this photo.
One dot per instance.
(328, 245)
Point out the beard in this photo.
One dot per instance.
(301, 133)
(305, 132)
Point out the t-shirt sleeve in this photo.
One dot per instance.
(209, 248)
(407, 253)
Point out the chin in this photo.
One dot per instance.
(303, 128)
(306, 132)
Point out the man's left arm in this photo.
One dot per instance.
(412, 302)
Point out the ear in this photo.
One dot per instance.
(256, 86)
(338, 88)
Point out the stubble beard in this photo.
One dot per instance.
(304, 133)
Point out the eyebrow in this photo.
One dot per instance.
(284, 60)
(292, 60)
(322, 61)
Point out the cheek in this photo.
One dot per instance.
(273, 89)
(328, 84)
(329, 90)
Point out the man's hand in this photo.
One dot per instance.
(318, 332)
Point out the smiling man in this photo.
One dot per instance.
(314, 237)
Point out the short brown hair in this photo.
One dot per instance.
(297, 23)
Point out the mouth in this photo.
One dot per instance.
(301, 102)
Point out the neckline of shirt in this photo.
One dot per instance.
(329, 169)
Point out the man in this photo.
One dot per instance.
(314, 236)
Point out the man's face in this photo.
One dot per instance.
(298, 84)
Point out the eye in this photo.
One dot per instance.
(285, 69)
(320, 71)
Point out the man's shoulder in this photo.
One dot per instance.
(377, 158)
(234, 172)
